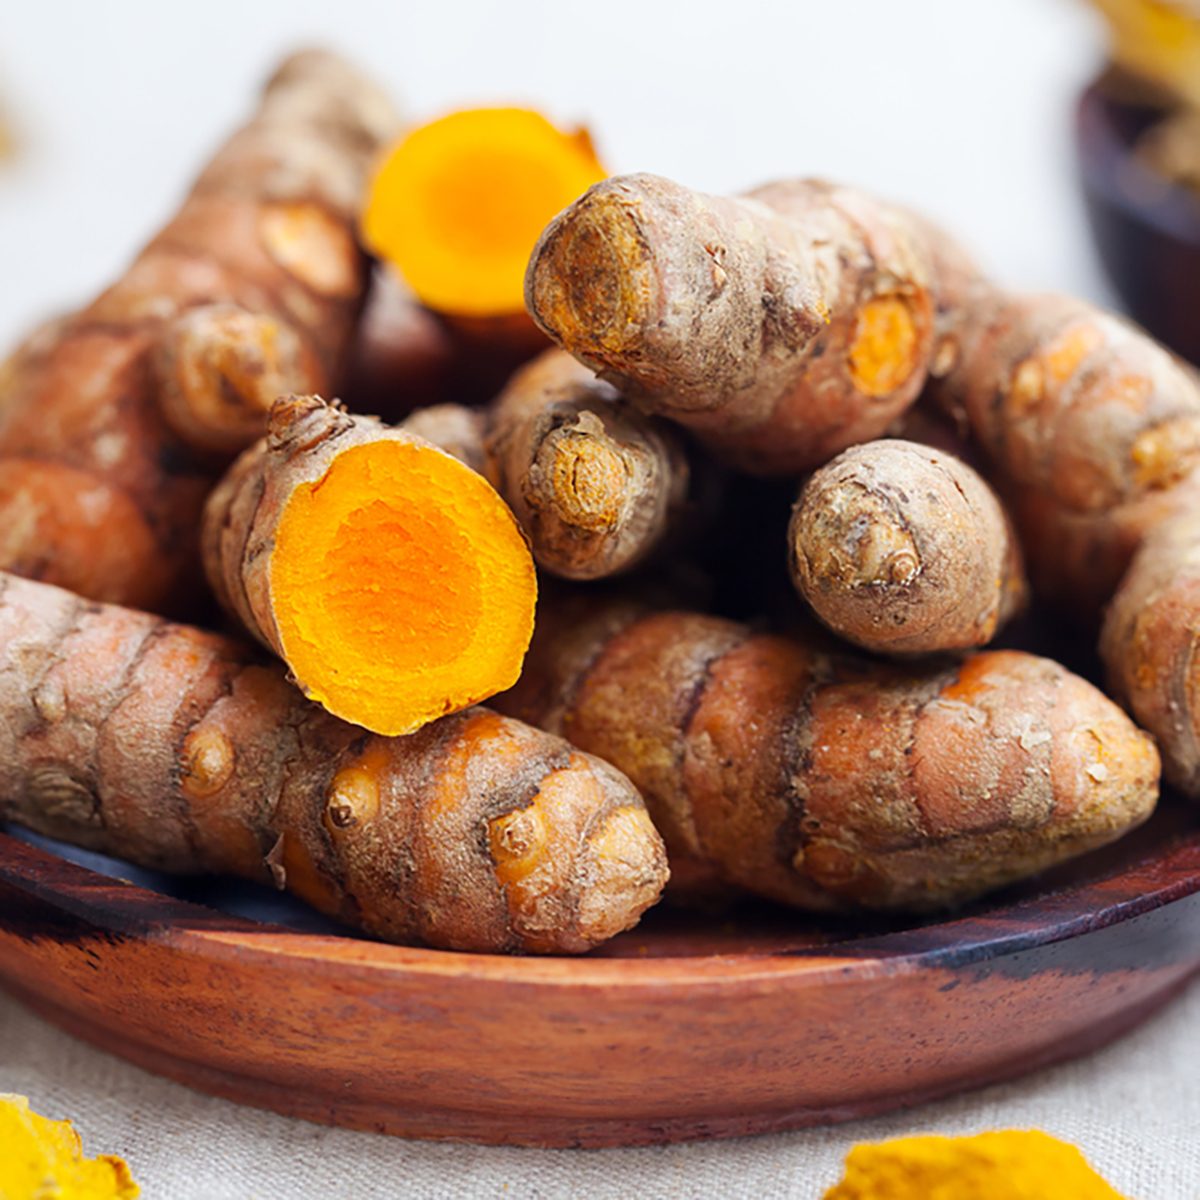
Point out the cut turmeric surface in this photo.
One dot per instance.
(835, 783)
(108, 427)
(391, 578)
(41, 1159)
(458, 204)
(180, 750)
(1013, 1164)
(782, 326)
(904, 549)
(597, 486)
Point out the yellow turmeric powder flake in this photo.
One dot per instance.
(1016, 1164)
(42, 1159)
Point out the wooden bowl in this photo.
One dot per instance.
(691, 1026)
(1146, 228)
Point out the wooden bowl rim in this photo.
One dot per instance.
(120, 907)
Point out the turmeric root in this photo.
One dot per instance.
(903, 549)
(782, 326)
(597, 486)
(458, 204)
(1150, 644)
(1092, 430)
(106, 432)
(391, 579)
(831, 783)
(176, 749)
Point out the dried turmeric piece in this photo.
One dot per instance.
(597, 486)
(904, 549)
(42, 1159)
(180, 750)
(1013, 1164)
(108, 427)
(835, 783)
(392, 579)
(458, 204)
(781, 326)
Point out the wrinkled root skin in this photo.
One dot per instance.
(179, 750)
(834, 784)
(782, 326)
(111, 420)
(1091, 430)
(1150, 643)
(903, 549)
(598, 487)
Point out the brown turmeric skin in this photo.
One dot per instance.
(781, 326)
(108, 429)
(1092, 431)
(903, 549)
(597, 486)
(179, 750)
(832, 783)
(1151, 645)
(391, 579)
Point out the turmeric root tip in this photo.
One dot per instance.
(904, 549)
(220, 368)
(391, 578)
(460, 202)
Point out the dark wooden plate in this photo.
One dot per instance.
(691, 1026)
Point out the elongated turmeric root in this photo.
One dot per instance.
(904, 549)
(597, 486)
(1151, 644)
(107, 428)
(830, 783)
(177, 749)
(391, 579)
(781, 326)
(1092, 431)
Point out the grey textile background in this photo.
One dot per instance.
(962, 109)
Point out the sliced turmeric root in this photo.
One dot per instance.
(458, 205)
(392, 579)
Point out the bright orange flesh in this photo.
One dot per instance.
(401, 587)
(884, 353)
(457, 206)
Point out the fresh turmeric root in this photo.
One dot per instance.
(1151, 645)
(176, 749)
(782, 326)
(1092, 431)
(458, 204)
(835, 784)
(108, 428)
(904, 549)
(597, 486)
(391, 579)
